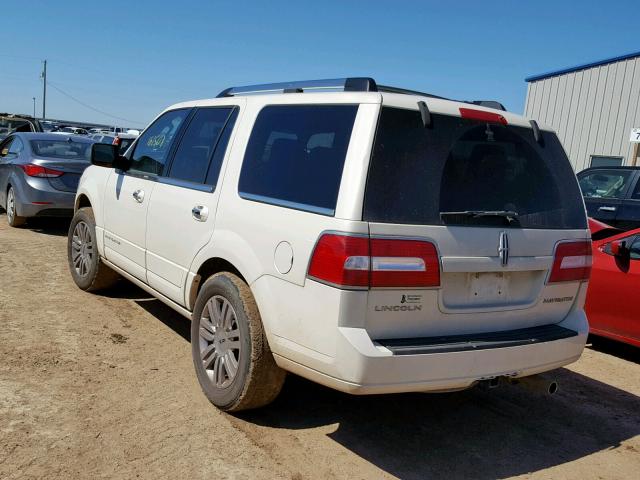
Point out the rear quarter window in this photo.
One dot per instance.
(296, 154)
(461, 165)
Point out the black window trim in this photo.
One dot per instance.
(277, 202)
(233, 109)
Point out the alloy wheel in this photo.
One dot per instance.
(11, 205)
(82, 249)
(219, 340)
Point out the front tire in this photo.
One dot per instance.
(12, 217)
(87, 270)
(231, 356)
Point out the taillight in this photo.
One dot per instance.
(482, 116)
(39, 171)
(341, 260)
(116, 141)
(404, 263)
(572, 262)
(360, 262)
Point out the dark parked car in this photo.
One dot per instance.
(39, 174)
(612, 195)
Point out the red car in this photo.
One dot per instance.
(612, 307)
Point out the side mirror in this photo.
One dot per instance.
(620, 250)
(105, 155)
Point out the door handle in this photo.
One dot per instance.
(200, 213)
(139, 196)
(607, 209)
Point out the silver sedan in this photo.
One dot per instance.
(39, 174)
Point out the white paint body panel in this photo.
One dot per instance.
(125, 221)
(173, 236)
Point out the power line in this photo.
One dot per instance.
(90, 107)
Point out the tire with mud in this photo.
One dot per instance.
(231, 356)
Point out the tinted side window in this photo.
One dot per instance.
(296, 154)
(154, 144)
(605, 183)
(192, 158)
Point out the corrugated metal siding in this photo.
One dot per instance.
(592, 110)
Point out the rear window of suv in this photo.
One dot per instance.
(445, 174)
(296, 154)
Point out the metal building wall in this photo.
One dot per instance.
(592, 110)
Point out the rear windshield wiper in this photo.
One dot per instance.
(510, 215)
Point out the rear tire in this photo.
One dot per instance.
(231, 356)
(12, 217)
(87, 270)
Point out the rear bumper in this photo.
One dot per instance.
(37, 198)
(364, 367)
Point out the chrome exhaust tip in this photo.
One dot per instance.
(537, 384)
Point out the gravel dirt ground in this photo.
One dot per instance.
(102, 386)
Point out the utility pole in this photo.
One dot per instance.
(44, 90)
(34, 107)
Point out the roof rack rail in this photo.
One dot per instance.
(349, 84)
(405, 91)
(352, 84)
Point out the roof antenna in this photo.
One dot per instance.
(536, 132)
(425, 114)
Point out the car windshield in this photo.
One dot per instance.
(64, 149)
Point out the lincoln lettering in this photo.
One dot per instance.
(398, 308)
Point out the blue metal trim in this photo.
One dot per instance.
(577, 68)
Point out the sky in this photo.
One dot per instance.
(121, 63)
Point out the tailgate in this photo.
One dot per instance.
(477, 293)
(496, 201)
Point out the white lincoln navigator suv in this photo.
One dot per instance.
(369, 238)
